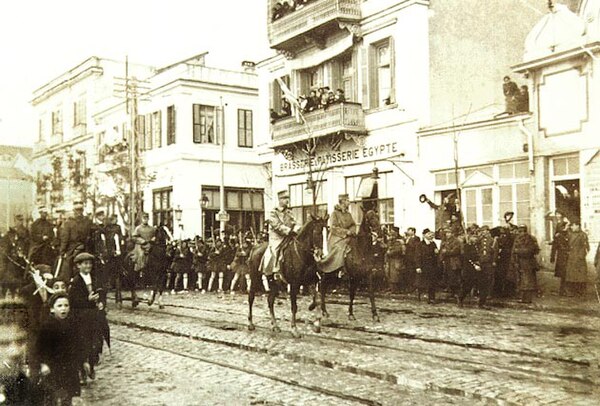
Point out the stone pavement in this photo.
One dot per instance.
(546, 353)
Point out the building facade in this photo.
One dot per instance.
(410, 71)
(183, 112)
(17, 186)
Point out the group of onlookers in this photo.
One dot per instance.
(285, 7)
(500, 261)
(516, 98)
(317, 99)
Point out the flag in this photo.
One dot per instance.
(292, 99)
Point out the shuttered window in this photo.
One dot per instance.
(170, 125)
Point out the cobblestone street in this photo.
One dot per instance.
(197, 350)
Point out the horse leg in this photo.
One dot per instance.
(323, 291)
(118, 289)
(352, 293)
(294, 289)
(317, 320)
(271, 300)
(372, 296)
(134, 298)
(248, 282)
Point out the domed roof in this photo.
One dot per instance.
(590, 14)
(558, 30)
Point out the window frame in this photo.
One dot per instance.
(171, 125)
(245, 131)
(202, 132)
(162, 214)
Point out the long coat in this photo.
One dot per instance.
(579, 246)
(427, 260)
(342, 226)
(60, 348)
(450, 258)
(412, 247)
(524, 250)
(281, 223)
(560, 253)
(85, 315)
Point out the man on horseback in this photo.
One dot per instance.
(42, 236)
(75, 235)
(143, 235)
(281, 224)
(343, 227)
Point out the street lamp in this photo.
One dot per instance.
(204, 204)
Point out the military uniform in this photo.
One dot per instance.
(342, 227)
(281, 224)
(450, 258)
(142, 236)
(524, 250)
(42, 235)
(427, 263)
(488, 255)
(75, 237)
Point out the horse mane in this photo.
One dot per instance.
(305, 229)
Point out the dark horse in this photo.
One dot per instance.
(364, 258)
(155, 269)
(13, 264)
(297, 267)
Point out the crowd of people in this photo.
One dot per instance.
(516, 98)
(320, 98)
(285, 7)
(63, 271)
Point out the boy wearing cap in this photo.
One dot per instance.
(84, 300)
(281, 224)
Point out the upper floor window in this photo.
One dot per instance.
(383, 74)
(57, 123)
(170, 125)
(157, 128)
(79, 112)
(204, 124)
(244, 128)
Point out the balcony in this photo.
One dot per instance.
(317, 18)
(336, 118)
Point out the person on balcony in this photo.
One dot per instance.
(313, 101)
(523, 100)
(286, 108)
(511, 95)
(340, 97)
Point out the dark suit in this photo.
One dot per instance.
(427, 260)
(85, 316)
(41, 250)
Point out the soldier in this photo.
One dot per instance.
(395, 259)
(42, 235)
(281, 224)
(22, 233)
(75, 237)
(450, 258)
(470, 267)
(559, 254)
(215, 261)
(342, 229)
(142, 236)
(200, 251)
(488, 255)
(524, 250)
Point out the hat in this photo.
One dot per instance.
(144, 214)
(55, 297)
(426, 231)
(84, 256)
(78, 205)
(343, 196)
(283, 194)
(100, 212)
(42, 209)
(484, 228)
(522, 227)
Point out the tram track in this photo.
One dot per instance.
(253, 372)
(510, 368)
(361, 329)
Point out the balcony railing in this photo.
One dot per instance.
(313, 15)
(341, 117)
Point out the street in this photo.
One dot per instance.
(197, 350)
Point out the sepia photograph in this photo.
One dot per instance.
(299, 202)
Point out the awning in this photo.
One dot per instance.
(317, 58)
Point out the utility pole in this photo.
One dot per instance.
(223, 216)
(131, 109)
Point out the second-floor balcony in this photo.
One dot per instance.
(335, 118)
(313, 19)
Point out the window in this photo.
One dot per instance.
(162, 211)
(170, 125)
(347, 70)
(301, 200)
(514, 170)
(157, 129)
(244, 128)
(515, 198)
(276, 93)
(565, 166)
(79, 112)
(57, 125)
(445, 178)
(149, 132)
(244, 206)
(382, 73)
(41, 130)
(204, 122)
(140, 124)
